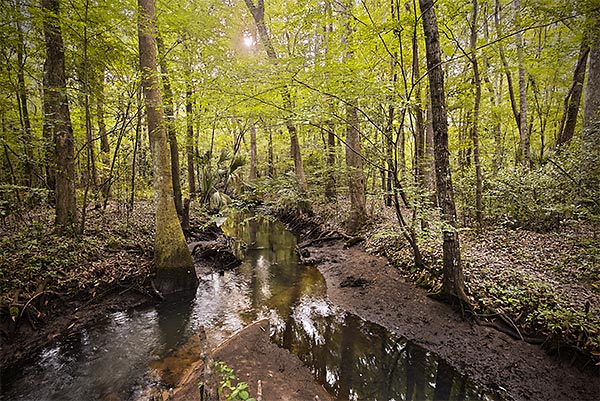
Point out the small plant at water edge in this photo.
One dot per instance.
(231, 392)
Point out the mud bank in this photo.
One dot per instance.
(368, 287)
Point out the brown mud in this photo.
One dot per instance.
(367, 286)
(253, 358)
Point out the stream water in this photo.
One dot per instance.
(119, 358)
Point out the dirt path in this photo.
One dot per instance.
(491, 358)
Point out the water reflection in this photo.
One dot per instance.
(354, 359)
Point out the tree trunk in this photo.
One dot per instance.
(418, 111)
(453, 279)
(573, 99)
(271, 162)
(253, 173)
(591, 113)
(475, 127)
(174, 265)
(258, 13)
(511, 91)
(354, 161)
(330, 190)
(354, 164)
(524, 142)
(189, 144)
(29, 169)
(58, 119)
(171, 131)
(104, 143)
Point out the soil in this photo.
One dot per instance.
(521, 370)
(253, 358)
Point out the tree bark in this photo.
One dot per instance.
(29, 168)
(590, 156)
(453, 279)
(104, 143)
(189, 144)
(253, 172)
(354, 161)
(475, 127)
(524, 142)
(171, 131)
(330, 190)
(573, 99)
(174, 265)
(258, 13)
(591, 111)
(58, 119)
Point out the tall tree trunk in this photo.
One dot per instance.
(253, 173)
(354, 161)
(330, 190)
(524, 142)
(174, 265)
(58, 118)
(92, 174)
(104, 143)
(511, 91)
(189, 143)
(29, 169)
(258, 13)
(271, 162)
(453, 280)
(389, 139)
(171, 131)
(475, 127)
(591, 112)
(418, 111)
(573, 99)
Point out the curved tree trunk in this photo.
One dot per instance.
(174, 266)
(58, 119)
(453, 282)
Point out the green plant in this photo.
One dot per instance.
(232, 392)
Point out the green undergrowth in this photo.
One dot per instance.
(530, 306)
(115, 248)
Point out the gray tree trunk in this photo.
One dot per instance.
(453, 283)
(174, 265)
(58, 119)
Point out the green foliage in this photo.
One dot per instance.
(227, 388)
(536, 200)
(215, 183)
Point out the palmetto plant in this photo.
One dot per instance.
(217, 184)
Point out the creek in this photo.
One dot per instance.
(124, 354)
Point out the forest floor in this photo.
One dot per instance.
(53, 285)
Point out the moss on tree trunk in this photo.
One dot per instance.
(173, 261)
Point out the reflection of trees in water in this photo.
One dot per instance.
(352, 358)
(355, 359)
(173, 316)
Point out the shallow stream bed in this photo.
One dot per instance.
(120, 358)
